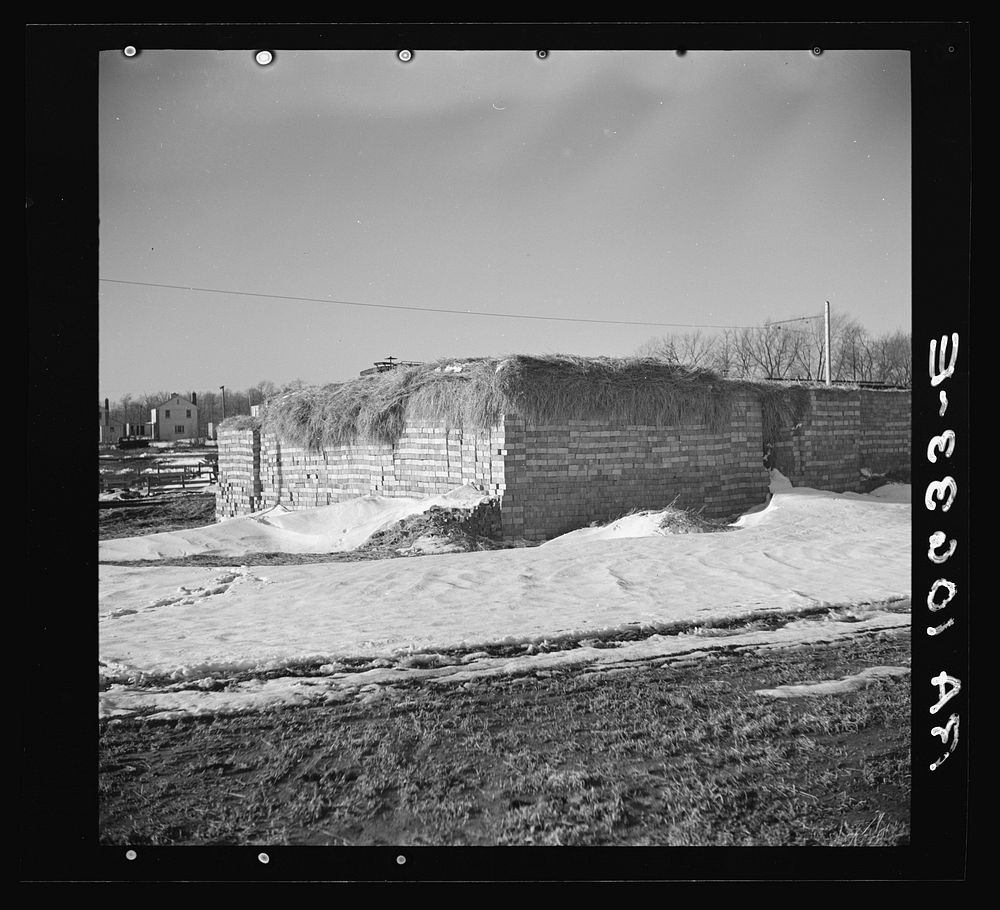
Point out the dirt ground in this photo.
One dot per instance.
(168, 513)
(684, 755)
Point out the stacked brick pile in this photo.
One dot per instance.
(565, 476)
(829, 458)
(553, 478)
(842, 432)
(299, 478)
(427, 459)
(885, 430)
(239, 490)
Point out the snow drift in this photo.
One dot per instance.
(805, 551)
(327, 529)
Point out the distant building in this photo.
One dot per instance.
(110, 432)
(175, 418)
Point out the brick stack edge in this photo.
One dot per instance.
(552, 478)
(239, 473)
(843, 433)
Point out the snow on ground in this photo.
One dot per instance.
(327, 529)
(172, 464)
(333, 685)
(176, 625)
(891, 492)
(639, 524)
(116, 495)
(835, 686)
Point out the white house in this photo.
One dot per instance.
(175, 418)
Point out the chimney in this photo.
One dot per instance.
(194, 398)
(107, 413)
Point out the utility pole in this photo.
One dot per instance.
(224, 398)
(826, 328)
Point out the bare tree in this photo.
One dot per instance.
(768, 351)
(885, 358)
(697, 350)
(724, 355)
(898, 358)
(793, 351)
(265, 389)
(663, 348)
(692, 349)
(810, 352)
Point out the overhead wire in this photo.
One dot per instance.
(396, 306)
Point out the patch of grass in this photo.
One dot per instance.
(654, 755)
(688, 521)
(874, 481)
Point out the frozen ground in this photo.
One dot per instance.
(810, 566)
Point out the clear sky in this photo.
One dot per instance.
(714, 188)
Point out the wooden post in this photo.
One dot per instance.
(827, 332)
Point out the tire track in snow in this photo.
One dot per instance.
(781, 562)
(622, 582)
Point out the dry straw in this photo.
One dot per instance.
(475, 394)
(240, 422)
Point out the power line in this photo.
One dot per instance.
(395, 306)
(781, 321)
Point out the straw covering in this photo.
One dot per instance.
(240, 422)
(476, 393)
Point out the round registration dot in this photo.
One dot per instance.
(129, 51)
(405, 56)
(130, 854)
(264, 858)
(400, 859)
(264, 57)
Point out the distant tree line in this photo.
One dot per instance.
(135, 409)
(793, 351)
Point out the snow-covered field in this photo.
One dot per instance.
(164, 632)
